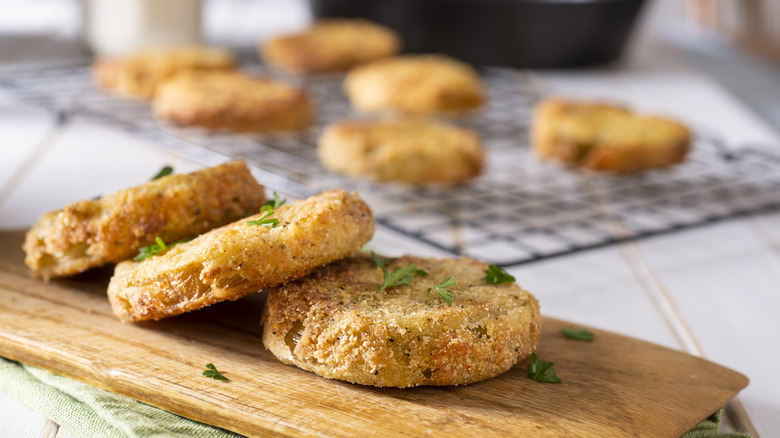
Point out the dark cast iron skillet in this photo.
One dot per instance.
(516, 33)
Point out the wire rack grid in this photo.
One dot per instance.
(520, 210)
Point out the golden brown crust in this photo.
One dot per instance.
(233, 101)
(604, 137)
(330, 46)
(87, 234)
(140, 74)
(415, 84)
(336, 323)
(411, 150)
(240, 259)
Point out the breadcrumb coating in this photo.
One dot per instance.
(240, 259)
(110, 229)
(139, 75)
(338, 324)
(331, 45)
(420, 84)
(414, 151)
(233, 101)
(604, 137)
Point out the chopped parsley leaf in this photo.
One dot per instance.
(211, 371)
(379, 261)
(264, 221)
(401, 276)
(542, 371)
(267, 210)
(444, 293)
(167, 170)
(578, 334)
(156, 248)
(274, 203)
(496, 275)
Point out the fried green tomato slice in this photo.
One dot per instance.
(242, 258)
(337, 323)
(111, 229)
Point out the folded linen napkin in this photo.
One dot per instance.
(710, 428)
(89, 412)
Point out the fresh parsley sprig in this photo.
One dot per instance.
(274, 203)
(400, 276)
(166, 170)
(158, 247)
(442, 290)
(211, 371)
(147, 251)
(542, 371)
(582, 334)
(496, 275)
(380, 261)
(264, 221)
(267, 210)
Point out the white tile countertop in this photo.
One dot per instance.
(711, 291)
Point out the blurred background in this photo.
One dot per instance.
(736, 42)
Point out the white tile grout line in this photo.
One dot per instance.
(663, 301)
(39, 150)
(660, 298)
(734, 411)
(652, 286)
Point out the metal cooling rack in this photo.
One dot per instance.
(519, 211)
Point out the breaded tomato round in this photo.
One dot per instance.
(242, 258)
(416, 151)
(233, 101)
(339, 323)
(91, 233)
(139, 74)
(421, 84)
(331, 45)
(606, 137)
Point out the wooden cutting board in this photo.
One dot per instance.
(614, 386)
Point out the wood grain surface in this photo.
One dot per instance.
(614, 386)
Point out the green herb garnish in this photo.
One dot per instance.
(158, 247)
(268, 209)
(401, 276)
(167, 170)
(147, 251)
(379, 261)
(212, 372)
(274, 203)
(578, 334)
(542, 371)
(444, 293)
(496, 275)
(264, 221)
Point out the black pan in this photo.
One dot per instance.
(517, 33)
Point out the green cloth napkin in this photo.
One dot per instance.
(89, 412)
(710, 428)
